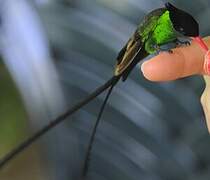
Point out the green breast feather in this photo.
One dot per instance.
(164, 31)
(157, 29)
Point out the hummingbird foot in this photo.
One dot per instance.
(156, 48)
(159, 49)
(170, 51)
(180, 43)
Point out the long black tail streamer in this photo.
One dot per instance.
(14, 152)
(90, 145)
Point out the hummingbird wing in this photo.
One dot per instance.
(134, 50)
(128, 53)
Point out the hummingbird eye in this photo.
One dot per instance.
(181, 29)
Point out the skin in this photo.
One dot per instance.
(185, 61)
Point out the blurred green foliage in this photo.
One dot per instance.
(12, 113)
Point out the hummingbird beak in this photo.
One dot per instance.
(200, 41)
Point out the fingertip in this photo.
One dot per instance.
(147, 70)
(160, 68)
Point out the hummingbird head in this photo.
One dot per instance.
(182, 21)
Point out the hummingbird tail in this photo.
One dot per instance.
(90, 145)
(53, 123)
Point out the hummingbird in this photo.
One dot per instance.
(160, 27)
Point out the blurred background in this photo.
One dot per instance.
(54, 53)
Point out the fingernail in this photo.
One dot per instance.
(143, 66)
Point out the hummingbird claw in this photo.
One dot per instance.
(170, 51)
(187, 43)
(159, 49)
(181, 43)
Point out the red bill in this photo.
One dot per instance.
(200, 41)
(202, 44)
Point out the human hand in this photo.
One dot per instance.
(185, 61)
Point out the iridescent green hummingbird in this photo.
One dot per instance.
(160, 27)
